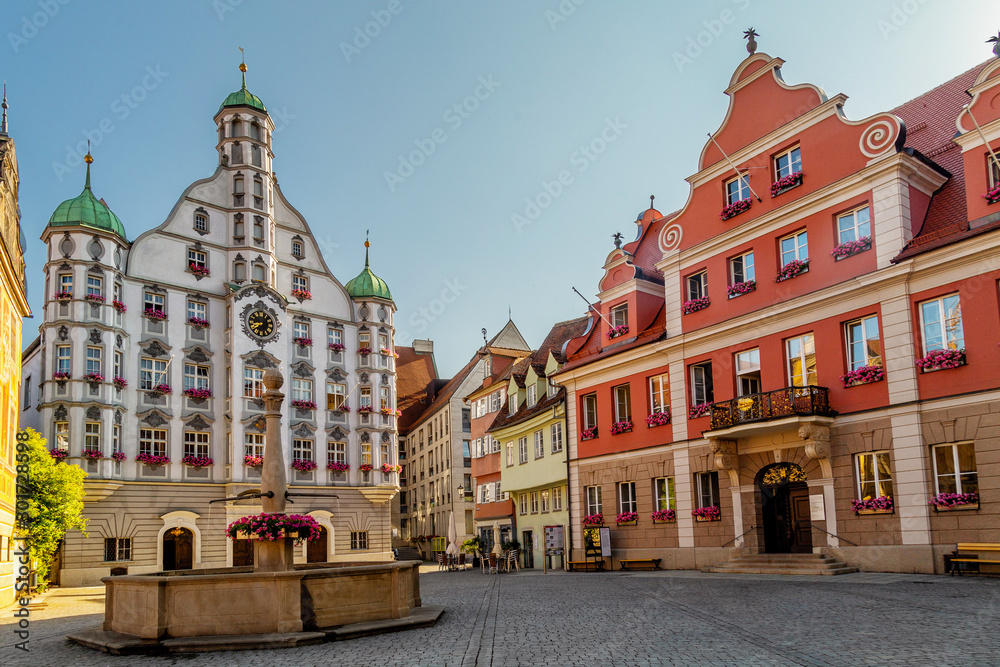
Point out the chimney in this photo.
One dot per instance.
(423, 346)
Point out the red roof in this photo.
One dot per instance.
(930, 127)
(414, 375)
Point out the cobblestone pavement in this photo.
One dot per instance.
(637, 619)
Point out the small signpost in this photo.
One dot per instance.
(597, 544)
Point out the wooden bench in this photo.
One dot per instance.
(634, 563)
(586, 565)
(967, 552)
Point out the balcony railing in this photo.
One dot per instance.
(771, 405)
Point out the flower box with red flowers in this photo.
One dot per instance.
(304, 465)
(152, 460)
(95, 298)
(620, 330)
(621, 427)
(863, 375)
(627, 518)
(336, 347)
(201, 271)
(344, 407)
(594, 520)
(198, 393)
(387, 353)
(93, 454)
(739, 289)
(119, 383)
(712, 513)
(58, 454)
(365, 409)
(792, 269)
(849, 248)
(786, 183)
(364, 350)
(119, 306)
(304, 342)
(993, 195)
(389, 412)
(663, 516)
(62, 296)
(303, 405)
(365, 467)
(198, 322)
(93, 378)
(388, 468)
(253, 461)
(302, 294)
(955, 501)
(160, 389)
(658, 419)
(197, 461)
(154, 314)
(118, 457)
(880, 505)
(736, 208)
(588, 433)
(694, 305)
(60, 376)
(699, 410)
(937, 360)
(273, 527)
(338, 467)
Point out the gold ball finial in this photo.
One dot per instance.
(367, 244)
(88, 159)
(243, 67)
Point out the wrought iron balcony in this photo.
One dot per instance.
(771, 405)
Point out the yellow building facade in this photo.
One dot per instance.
(13, 306)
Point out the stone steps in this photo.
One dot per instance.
(808, 564)
(408, 553)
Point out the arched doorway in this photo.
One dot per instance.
(785, 509)
(317, 550)
(178, 549)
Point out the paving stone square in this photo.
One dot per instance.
(626, 619)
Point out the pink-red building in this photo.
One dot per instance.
(804, 357)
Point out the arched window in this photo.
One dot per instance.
(235, 128)
(239, 271)
(238, 184)
(255, 131)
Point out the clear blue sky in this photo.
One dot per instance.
(550, 76)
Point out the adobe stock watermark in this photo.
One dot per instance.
(705, 38)
(363, 35)
(30, 25)
(22, 555)
(454, 116)
(898, 17)
(430, 312)
(121, 107)
(564, 10)
(581, 159)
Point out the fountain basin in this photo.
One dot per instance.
(234, 601)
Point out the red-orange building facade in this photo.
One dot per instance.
(817, 328)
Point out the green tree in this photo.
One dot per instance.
(54, 495)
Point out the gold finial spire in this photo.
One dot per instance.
(88, 158)
(367, 245)
(243, 67)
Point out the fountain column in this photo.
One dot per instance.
(277, 556)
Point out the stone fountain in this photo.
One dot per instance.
(276, 603)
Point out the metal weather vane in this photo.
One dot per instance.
(995, 41)
(751, 43)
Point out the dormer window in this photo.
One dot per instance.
(512, 404)
(737, 189)
(532, 396)
(619, 315)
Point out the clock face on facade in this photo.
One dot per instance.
(260, 323)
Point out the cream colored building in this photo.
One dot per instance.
(151, 358)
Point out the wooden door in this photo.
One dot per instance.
(184, 550)
(527, 550)
(801, 523)
(317, 549)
